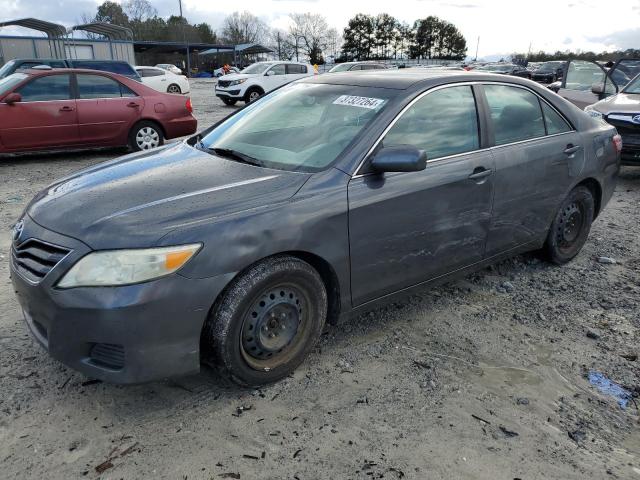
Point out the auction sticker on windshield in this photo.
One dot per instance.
(355, 101)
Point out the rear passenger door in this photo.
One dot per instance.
(107, 109)
(296, 71)
(536, 153)
(406, 228)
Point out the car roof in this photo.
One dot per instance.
(404, 79)
(61, 71)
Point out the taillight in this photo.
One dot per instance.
(190, 107)
(617, 142)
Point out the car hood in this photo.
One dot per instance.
(133, 201)
(620, 103)
(238, 76)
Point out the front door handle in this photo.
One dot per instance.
(66, 108)
(480, 173)
(132, 105)
(571, 149)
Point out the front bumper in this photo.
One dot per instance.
(127, 334)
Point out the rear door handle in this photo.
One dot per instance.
(480, 172)
(132, 105)
(66, 108)
(571, 149)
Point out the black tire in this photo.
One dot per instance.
(252, 95)
(571, 226)
(229, 101)
(174, 88)
(156, 137)
(281, 294)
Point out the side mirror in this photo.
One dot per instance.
(597, 88)
(12, 98)
(401, 158)
(269, 73)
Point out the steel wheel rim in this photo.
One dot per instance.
(274, 327)
(571, 225)
(147, 138)
(174, 89)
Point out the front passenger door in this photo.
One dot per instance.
(275, 77)
(580, 78)
(406, 228)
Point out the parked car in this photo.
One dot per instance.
(505, 69)
(113, 66)
(163, 80)
(73, 108)
(170, 67)
(219, 72)
(258, 79)
(623, 112)
(352, 66)
(548, 72)
(586, 83)
(319, 200)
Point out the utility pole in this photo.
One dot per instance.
(180, 2)
(279, 51)
(477, 47)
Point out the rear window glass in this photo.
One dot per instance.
(42, 89)
(97, 86)
(515, 113)
(555, 123)
(296, 69)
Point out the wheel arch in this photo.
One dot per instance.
(253, 87)
(596, 190)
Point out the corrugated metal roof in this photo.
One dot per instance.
(113, 32)
(51, 29)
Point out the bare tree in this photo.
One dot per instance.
(139, 10)
(309, 31)
(244, 28)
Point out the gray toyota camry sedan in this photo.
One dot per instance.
(321, 199)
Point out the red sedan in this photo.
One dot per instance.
(73, 108)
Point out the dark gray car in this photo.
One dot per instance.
(318, 200)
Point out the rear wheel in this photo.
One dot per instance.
(145, 135)
(266, 322)
(252, 95)
(571, 226)
(173, 88)
(229, 101)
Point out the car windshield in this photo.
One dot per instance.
(11, 81)
(257, 68)
(624, 71)
(634, 86)
(495, 68)
(6, 68)
(302, 127)
(548, 67)
(343, 67)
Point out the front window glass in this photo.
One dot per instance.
(43, 89)
(302, 127)
(278, 69)
(343, 67)
(582, 75)
(515, 113)
(441, 123)
(257, 68)
(7, 83)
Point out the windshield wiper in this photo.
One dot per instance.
(235, 155)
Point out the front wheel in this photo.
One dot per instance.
(266, 322)
(229, 101)
(145, 135)
(571, 226)
(252, 95)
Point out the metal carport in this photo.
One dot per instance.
(54, 31)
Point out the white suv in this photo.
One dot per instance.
(258, 79)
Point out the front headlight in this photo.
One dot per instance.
(589, 110)
(124, 267)
(238, 82)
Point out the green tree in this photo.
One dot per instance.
(112, 12)
(359, 37)
(385, 30)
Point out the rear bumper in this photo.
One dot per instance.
(127, 334)
(179, 127)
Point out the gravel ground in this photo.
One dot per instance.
(483, 378)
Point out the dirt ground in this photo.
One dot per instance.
(484, 378)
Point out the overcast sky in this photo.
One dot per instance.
(503, 26)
